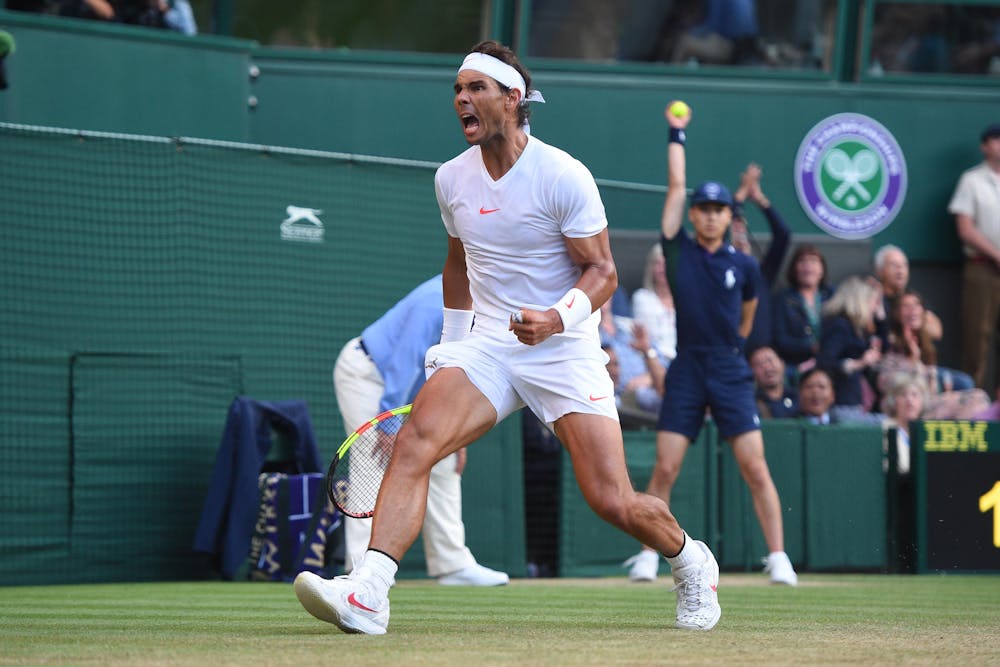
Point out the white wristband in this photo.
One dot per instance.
(457, 323)
(573, 308)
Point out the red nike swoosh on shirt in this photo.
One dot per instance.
(597, 398)
(484, 211)
(354, 601)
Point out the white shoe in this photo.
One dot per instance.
(697, 600)
(344, 601)
(474, 575)
(643, 566)
(780, 569)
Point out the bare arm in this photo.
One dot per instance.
(746, 317)
(654, 367)
(673, 205)
(455, 280)
(970, 235)
(598, 280)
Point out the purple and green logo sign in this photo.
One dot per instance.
(850, 176)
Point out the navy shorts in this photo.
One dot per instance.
(716, 378)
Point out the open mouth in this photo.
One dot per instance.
(469, 123)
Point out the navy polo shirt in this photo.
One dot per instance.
(709, 290)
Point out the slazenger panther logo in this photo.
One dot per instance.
(850, 175)
(302, 224)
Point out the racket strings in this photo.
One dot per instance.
(354, 480)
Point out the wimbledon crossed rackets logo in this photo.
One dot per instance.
(850, 176)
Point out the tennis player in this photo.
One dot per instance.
(528, 264)
(716, 297)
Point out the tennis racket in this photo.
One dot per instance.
(355, 475)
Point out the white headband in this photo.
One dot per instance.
(501, 71)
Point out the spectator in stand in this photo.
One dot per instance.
(775, 399)
(653, 306)
(850, 346)
(892, 269)
(642, 343)
(911, 353)
(634, 385)
(816, 396)
(904, 402)
(976, 207)
(990, 413)
(798, 310)
(771, 260)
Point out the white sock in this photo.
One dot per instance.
(689, 555)
(378, 570)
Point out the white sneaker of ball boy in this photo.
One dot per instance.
(645, 565)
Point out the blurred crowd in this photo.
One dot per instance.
(864, 350)
(174, 15)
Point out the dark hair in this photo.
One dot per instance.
(812, 371)
(928, 353)
(505, 54)
(801, 251)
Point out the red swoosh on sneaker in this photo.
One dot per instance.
(484, 211)
(354, 601)
(597, 398)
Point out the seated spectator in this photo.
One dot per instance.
(849, 347)
(904, 402)
(178, 16)
(991, 413)
(653, 305)
(772, 258)
(654, 366)
(816, 396)
(892, 269)
(101, 10)
(774, 398)
(797, 310)
(727, 35)
(634, 386)
(911, 353)
(621, 302)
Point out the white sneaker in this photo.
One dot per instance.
(643, 566)
(474, 575)
(697, 600)
(780, 569)
(344, 601)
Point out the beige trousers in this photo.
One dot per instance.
(359, 388)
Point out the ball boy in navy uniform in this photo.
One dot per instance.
(715, 296)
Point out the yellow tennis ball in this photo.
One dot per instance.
(679, 110)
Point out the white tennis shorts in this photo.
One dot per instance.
(559, 376)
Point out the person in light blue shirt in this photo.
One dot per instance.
(381, 369)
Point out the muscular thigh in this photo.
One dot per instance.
(448, 413)
(595, 446)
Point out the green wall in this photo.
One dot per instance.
(833, 499)
(82, 75)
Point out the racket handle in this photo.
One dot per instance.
(517, 317)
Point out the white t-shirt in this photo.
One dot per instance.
(977, 195)
(513, 228)
(660, 321)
